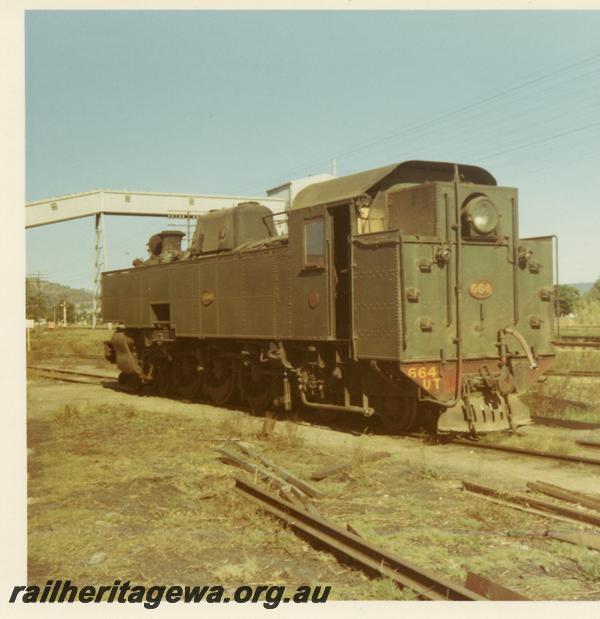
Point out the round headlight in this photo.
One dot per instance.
(482, 214)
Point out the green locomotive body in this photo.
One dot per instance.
(403, 291)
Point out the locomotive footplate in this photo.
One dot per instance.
(484, 413)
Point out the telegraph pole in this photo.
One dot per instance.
(39, 279)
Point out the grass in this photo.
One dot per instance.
(587, 312)
(378, 589)
(106, 483)
(66, 344)
(547, 406)
(548, 397)
(117, 492)
(567, 360)
(422, 516)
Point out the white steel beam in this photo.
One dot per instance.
(100, 265)
(136, 203)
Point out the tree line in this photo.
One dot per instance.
(570, 298)
(47, 301)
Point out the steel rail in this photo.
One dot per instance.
(492, 590)
(48, 368)
(426, 585)
(70, 376)
(526, 452)
(519, 500)
(580, 538)
(565, 343)
(66, 378)
(564, 401)
(573, 424)
(594, 444)
(574, 373)
(54, 357)
(566, 495)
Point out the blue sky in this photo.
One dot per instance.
(236, 102)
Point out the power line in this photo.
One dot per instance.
(475, 105)
(547, 139)
(471, 106)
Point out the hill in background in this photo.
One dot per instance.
(43, 299)
(583, 288)
(56, 293)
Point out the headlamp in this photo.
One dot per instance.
(482, 214)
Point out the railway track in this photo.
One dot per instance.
(70, 375)
(577, 342)
(426, 585)
(557, 422)
(89, 377)
(527, 452)
(574, 373)
(584, 336)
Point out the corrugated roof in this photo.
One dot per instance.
(371, 181)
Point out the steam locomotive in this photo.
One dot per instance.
(403, 292)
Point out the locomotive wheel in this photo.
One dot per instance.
(220, 380)
(186, 380)
(256, 388)
(162, 378)
(131, 382)
(428, 418)
(397, 414)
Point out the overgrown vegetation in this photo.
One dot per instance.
(552, 406)
(567, 397)
(573, 359)
(141, 494)
(113, 492)
(568, 297)
(587, 310)
(64, 345)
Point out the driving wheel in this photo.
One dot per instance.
(256, 387)
(397, 414)
(186, 379)
(219, 380)
(162, 377)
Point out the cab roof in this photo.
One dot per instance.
(372, 181)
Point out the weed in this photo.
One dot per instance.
(588, 312)
(387, 589)
(573, 359)
(237, 572)
(424, 472)
(280, 434)
(492, 515)
(586, 561)
(267, 431)
(66, 344)
(68, 416)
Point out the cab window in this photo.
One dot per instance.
(314, 242)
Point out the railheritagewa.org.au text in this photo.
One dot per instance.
(270, 596)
